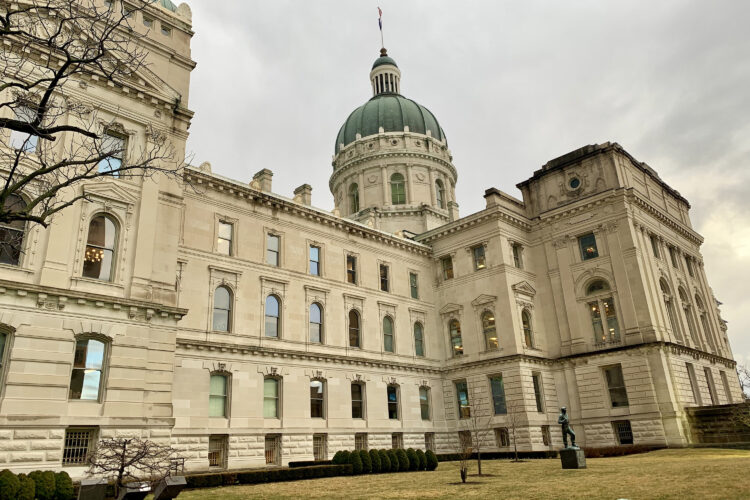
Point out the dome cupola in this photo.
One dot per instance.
(385, 75)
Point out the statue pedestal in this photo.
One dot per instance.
(572, 458)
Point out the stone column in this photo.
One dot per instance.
(433, 194)
(409, 190)
(384, 177)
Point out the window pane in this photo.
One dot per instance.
(273, 243)
(424, 403)
(223, 246)
(222, 298)
(609, 311)
(588, 246)
(272, 306)
(357, 406)
(418, 339)
(498, 395)
(392, 403)
(270, 398)
(218, 385)
(538, 392)
(456, 341)
(221, 320)
(316, 399)
(479, 261)
(225, 230)
(490, 334)
(315, 313)
(596, 322)
(353, 328)
(462, 394)
(217, 406)
(413, 286)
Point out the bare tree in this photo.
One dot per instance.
(463, 450)
(514, 416)
(50, 139)
(477, 424)
(129, 460)
(741, 411)
(743, 373)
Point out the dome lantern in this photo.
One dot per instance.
(385, 76)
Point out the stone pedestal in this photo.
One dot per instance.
(169, 487)
(92, 489)
(572, 458)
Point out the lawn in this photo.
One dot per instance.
(679, 474)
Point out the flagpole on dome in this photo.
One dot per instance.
(380, 24)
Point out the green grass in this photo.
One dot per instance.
(679, 474)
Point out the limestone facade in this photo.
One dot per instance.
(246, 328)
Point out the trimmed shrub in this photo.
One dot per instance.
(356, 460)
(395, 466)
(432, 460)
(403, 460)
(63, 486)
(44, 483)
(422, 460)
(375, 461)
(229, 478)
(28, 488)
(366, 462)
(252, 477)
(385, 461)
(9, 484)
(346, 457)
(413, 460)
(204, 480)
(336, 458)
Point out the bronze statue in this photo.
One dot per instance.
(564, 421)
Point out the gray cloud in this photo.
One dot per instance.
(513, 84)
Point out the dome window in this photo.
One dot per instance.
(574, 183)
(398, 189)
(440, 193)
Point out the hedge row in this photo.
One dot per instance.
(377, 461)
(309, 463)
(493, 455)
(265, 476)
(40, 485)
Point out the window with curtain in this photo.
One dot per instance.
(271, 397)
(354, 329)
(317, 399)
(272, 316)
(222, 317)
(418, 339)
(88, 366)
(387, 334)
(353, 198)
(316, 323)
(488, 328)
(457, 343)
(424, 402)
(398, 189)
(12, 233)
(98, 261)
(217, 396)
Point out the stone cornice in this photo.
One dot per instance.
(494, 213)
(664, 218)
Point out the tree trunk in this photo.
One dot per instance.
(479, 462)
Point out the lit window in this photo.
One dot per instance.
(217, 396)
(479, 260)
(270, 398)
(536, 379)
(618, 396)
(623, 431)
(440, 193)
(360, 441)
(418, 339)
(358, 400)
(320, 447)
(98, 262)
(587, 243)
(384, 285)
(447, 263)
(272, 316)
(316, 323)
(222, 320)
(273, 449)
(413, 285)
(654, 245)
(88, 364)
(111, 151)
(517, 255)
(502, 438)
(392, 392)
(353, 199)
(424, 402)
(273, 250)
(351, 269)
(12, 233)
(490, 333)
(457, 343)
(217, 450)
(317, 399)
(462, 396)
(388, 334)
(498, 395)
(224, 240)
(603, 314)
(21, 140)
(353, 328)
(314, 260)
(528, 335)
(398, 189)
(78, 445)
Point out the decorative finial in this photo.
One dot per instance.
(383, 52)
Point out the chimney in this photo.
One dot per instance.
(303, 194)
(492, 196)
(264, 179)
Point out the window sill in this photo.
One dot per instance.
(94, 281)
(11, 267)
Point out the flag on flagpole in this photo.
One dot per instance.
(380, 19)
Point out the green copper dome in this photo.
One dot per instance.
(392, 112)
(383, 60)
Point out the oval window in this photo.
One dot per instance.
(574, 183)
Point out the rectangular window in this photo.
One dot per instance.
(217, 396)
(429, 441)
(351, 269)
(498, 395)
(273, 449)
(358, 401)
(546, 440)
(587, 242)
(79, 442)
(517, 258)
(384, 285)
(462, 399)
(271, 398)
(320, 446)
(711, 386)
(725, 383)
(393, 413)
(536, 378)
(148, 22)
(447, 264)
(273, 250)
(694, 384)
(673, 257)
(166, 30)
(224, 239)
(479, 259)
(217, 450)
(618, 396)
(623, 431)
(114, 147)
(314, 260)
(655, 245)
(360, 441)
(413, 285)
(22, 140)
(88, 365)
(689, 266)
(317, 399)
(502, 438)
(424, 402)
(397, 440)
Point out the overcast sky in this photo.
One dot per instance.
(513, 85)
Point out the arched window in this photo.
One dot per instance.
(354, 198)
(12, 233)
(602, 310)
(387, 334)
(88, 365)
(488, 328)
(316, 323)
(271, 397)
(688, 309)
(457, 344)
(671, 313)
(217, 395)
(222, 321)
(398, 189)
(418, 339)
(99, 260)
(272, 316)
(440, 193)
(528, 336)
(707, 330)
(317, 399)
(354, 328)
